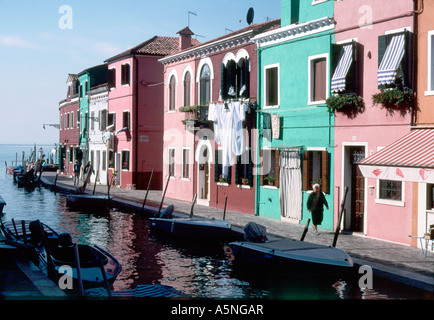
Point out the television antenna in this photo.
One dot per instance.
(189, 13)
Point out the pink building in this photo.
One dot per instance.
(135, 115)
(195, 78)
(69, 150)
(378, 37)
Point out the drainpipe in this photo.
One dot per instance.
(258, 134)
(413, 62)
(136, 119)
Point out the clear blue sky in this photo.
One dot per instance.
(36, 54)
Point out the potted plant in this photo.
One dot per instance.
(223, 179)
(245, 181)
(394, 99)
(270, 180)
(345, 102)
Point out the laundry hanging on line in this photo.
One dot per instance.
(228, 130)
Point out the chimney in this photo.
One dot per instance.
(185, 38)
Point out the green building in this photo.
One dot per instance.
(295, 128)
(88, 79)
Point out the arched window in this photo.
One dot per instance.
(172, 99)
(205, 88)
(187, 89)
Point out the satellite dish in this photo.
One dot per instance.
(250, 16)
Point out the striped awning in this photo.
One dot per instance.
(345, 60)
(410, 158)
(391, 60)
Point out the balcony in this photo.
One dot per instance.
(196, 117)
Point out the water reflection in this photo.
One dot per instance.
(198, 270)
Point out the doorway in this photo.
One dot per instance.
(203, 175)
(353, 178)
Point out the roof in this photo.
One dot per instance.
(415, 149)
(156, 46)
(239, 36)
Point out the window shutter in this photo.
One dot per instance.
(237, 170)
(382, 45)
(261, 173)
(276, 168)
(306, 172)
(250, 173)
(224, 83)
(335, 54)
(406, 61)
(352, 76)
(246, 79)
(325, 173)
(216, 166)
(229, 175)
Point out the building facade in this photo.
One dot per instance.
(68, 150)
(99, 137)
(295, 129)
(135, 114)
(215, 77)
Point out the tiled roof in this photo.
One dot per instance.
(157, 45)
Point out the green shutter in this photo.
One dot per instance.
(250, 173)
(229, 175)
(238, 167)
(246, 78)
(224, 83)
(382, 46)
(216, 166)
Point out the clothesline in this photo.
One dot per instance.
(283, 111)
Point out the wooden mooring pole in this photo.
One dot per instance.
(192, 205)
(342, 212)
(224, 210)
(164, 194)
(147, 191)
(306, 228)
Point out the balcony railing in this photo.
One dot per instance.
(196, 117)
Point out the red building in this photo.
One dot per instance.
(69, 116)
(197, 80)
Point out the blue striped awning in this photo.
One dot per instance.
(345, 60)
(391, 60)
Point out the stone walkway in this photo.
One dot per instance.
(390, 260)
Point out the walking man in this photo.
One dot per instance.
(76, 172)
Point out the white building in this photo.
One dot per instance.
(99, 145)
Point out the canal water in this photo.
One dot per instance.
(197, 270)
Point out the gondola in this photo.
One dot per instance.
(54, 252)
(88, 201)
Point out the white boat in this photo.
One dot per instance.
(291, 254)
(194, 228)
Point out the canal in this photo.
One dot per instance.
(198, 270)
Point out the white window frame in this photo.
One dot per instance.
(189, 162)
(430, 81)
(310, 60)
(188, 68)
(399, 203)
(202, 62)
(270, 66)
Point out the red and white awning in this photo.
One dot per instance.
(410, 158)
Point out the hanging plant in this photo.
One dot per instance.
(394, 99)
(190, 108)
(346, 102)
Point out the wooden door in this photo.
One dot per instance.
(358, 197)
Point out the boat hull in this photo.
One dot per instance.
(88, 201)
(290, 255)
(194, 228)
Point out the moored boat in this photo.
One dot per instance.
(52, 251)
(88, 201)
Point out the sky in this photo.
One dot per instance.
(42, 41)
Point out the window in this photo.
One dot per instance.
(111, 159)
(219, 175)
(112, 78)
(343, 61)
(430, 61)
(244, 169)
(111, 119)
(187, 89)
(67, 120)
(205, 89)
(171, 162)
(185, 163)
(125, 74)
(271, 83)
(317, 88)
(270, 170)
(172, 97)
(235, 79)
(316, 169)
(125, 160)
(104, 160)
(394, 60)
(390, 190)
(126, 119)
(72, 119)
(102, 120)
(430, 197)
